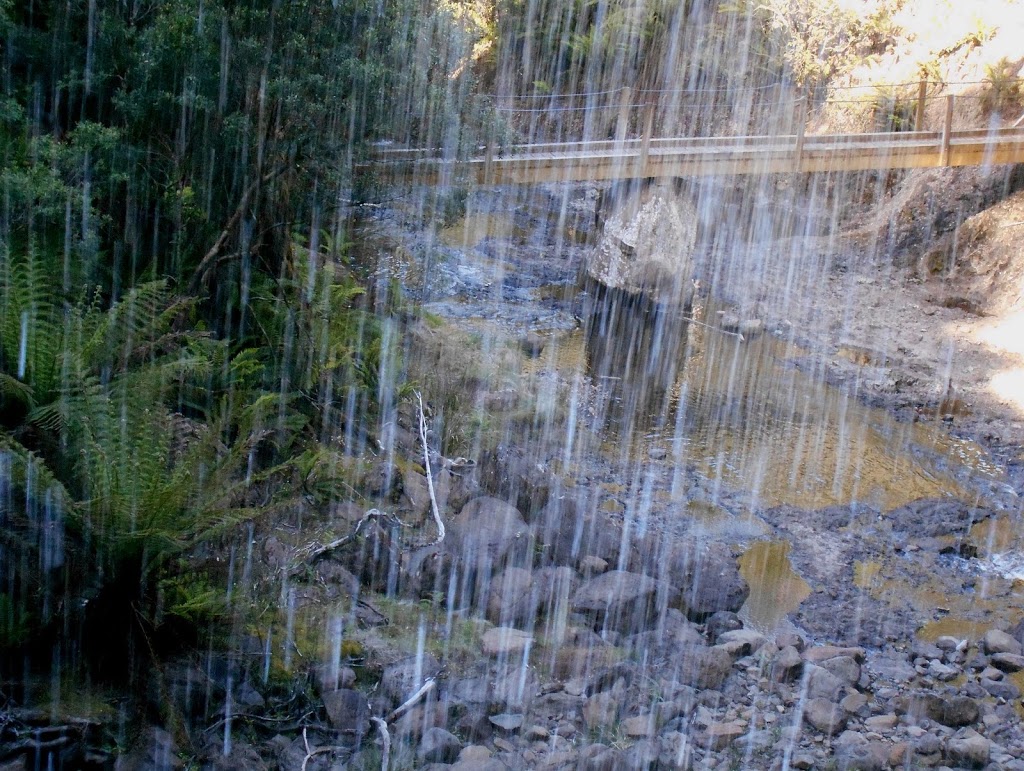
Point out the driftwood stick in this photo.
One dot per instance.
(385, 756)
(312, 753)
(409, 703)
(430, 476)
(314, 552)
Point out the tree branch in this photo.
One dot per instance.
(430, 476)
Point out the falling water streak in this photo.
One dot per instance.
(23, 345)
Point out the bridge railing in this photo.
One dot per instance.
(926, 111)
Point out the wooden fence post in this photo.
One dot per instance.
(922, 90)
(622, 124)
(801, 129)
(645, 142)
(947, 131)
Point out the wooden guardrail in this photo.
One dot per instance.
(647, 155)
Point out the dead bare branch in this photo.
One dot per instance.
(314, 551)
(430, 476)
(385, 757)
(409, 703)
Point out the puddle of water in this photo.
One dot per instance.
(785, 436)
(468, 232)
(953, 627)
(775, 589)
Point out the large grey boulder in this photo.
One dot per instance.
(618, 600)
(647, 246)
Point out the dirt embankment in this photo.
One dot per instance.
(923, 307)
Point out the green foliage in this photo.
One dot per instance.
(1005, 89)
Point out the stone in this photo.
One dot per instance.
(415, 491)
(854, 702)
(676, 751)
(706, 579)
(1001, 689)
(638, 726)
(438, 746)
(505, 641)
(996, 641)
(718, 736)
(602, 709)
(968, 748)
(855, 752)
(647, 246)
(845, 668)
(598, 757)
(825, 652)
(348, 712)
(741, 642)
(619, 600)
(882, 723)
(1008, 662)
(822, 684)
(486, 531)
(720, 622)
(825, 716)
(401, 679)
(509, 601)
(787, 665)
(703, 668)
(507, 721)
(474, 753)
(953, 711)
(789, 639)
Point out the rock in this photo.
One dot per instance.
(592, 565)
(845, 668)
(822, 653)
(348, 712)
(789, 639)
(507, 721)
(639, 726)
(474, 753)
(647, 246)
(741, 642)
(787, 665)
(882, 723)
(401, 679)
(676, 751)
(505, 641)
(720, 622)
(598, 757)
(1001, 689)
(854, 702)
(854, 752)
(1008, 662)
(953, 711)
(825, 716)
(486, 531)
(438, 746)
(822, 684)
(602, 709)
(996, 641)
(567, 531)
(968, 748)
(718, 736)
(705, 579)
(703, 668)
(618, 600)
(509, 601)
(415, 492)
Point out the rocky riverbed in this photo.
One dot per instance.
(772, 575)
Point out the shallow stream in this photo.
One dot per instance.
(752, 426)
